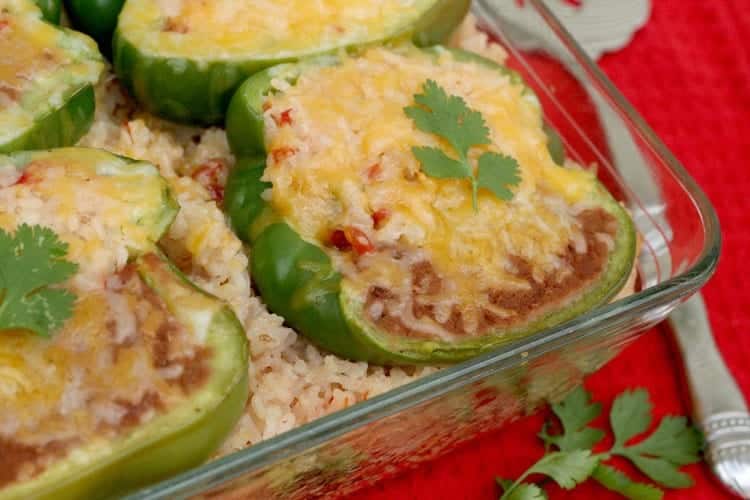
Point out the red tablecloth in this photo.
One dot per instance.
(688, 73)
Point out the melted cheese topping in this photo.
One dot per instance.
(339, 147)
(229, 28)
(103, 209)
(40, 66)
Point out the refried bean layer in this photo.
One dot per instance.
(519, 304)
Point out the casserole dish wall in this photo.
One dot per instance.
(365, 443)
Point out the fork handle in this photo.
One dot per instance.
(713, 389)
(719, 407)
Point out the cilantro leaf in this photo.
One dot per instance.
(525, 491)
(616, 481)
(449, 117)
(630, 415)
(575, 412)
(673, 440)
(437, 164)
(660, 455)
(566, 468)
(30, 262)
(497, 172)
(661, 471)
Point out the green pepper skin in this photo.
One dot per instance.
(242, 194)
(199, 92)
(297, 279)
(96, 18)
(50, 10)
(300, 280)
(62, 127)
(244, 121)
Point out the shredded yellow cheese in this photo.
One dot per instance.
(101, 210)
(230, 28)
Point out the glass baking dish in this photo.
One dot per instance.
(338, 454)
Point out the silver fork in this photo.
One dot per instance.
(718, 404)
(719, 407)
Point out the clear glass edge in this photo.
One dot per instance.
(606, 87)
(322, 430)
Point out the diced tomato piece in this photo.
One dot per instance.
(338, 240)
(25, 178)
(359, 240)
(281, 154)
(285, 118)
(374, 171)
(212, 175)
(379, 217)
(31, 174)
(351, 238)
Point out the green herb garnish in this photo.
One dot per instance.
(31, 261)
(449, 117)
(659, 456)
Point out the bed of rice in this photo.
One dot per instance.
(291, 381)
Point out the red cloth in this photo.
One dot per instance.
(688, 73)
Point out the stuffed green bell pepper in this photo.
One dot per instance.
(183, 60)
(403, 206)
(46, 80)
(115, 370)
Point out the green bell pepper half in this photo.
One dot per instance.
(199, 91)
(193, 429)
(96, 18)
(297, 280)
(171, 443)
(58, 110)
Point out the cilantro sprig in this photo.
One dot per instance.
(659, 456)
(449, 117)
(31, 262)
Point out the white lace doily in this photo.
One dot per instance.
(599, 25)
